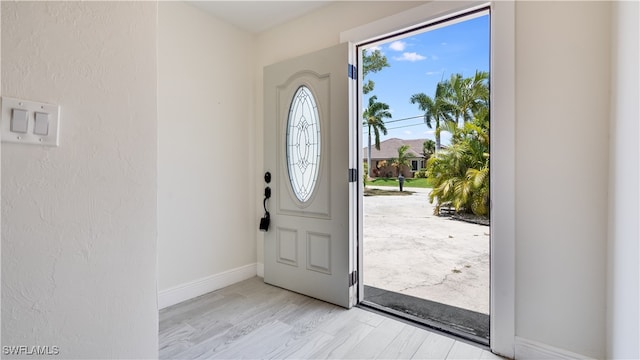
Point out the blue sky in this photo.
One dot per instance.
(418, 63)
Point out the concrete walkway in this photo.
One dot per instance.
(409, 250)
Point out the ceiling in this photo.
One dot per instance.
(258, 16)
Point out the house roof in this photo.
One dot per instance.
(389, 148)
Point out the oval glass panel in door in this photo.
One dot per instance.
(303, 143)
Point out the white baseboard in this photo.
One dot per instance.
(260, 269)
(529, 349)
(180, 293)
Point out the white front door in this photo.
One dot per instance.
(306, 149)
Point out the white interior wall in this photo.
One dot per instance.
(79, 220)
(562, 111)
(623, 322)
(206, 148)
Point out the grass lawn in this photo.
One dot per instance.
(408, 183)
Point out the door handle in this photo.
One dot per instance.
(266, 219)
(264, 222)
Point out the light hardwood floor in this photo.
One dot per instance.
(252, 320)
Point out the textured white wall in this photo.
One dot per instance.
(623, 316)
(206, 146)
(562, 123)
(79, 220)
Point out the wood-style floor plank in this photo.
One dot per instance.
(377, 340)
(488, 355)
(344, 341)
(405, 345)
(252, 320)
(463, 351)
(435, 346)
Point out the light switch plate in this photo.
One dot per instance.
(30, 137)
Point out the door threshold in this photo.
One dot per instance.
(450, 320)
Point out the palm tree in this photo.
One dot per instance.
(374, 116)
(428, 148)
(460, 174)
(402, 159)
(465, 96)
(435, 109)
(372, 62)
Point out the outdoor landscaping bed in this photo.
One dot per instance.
(470, 218)
(385, 192)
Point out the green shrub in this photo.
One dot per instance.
(460, 173)
(421, 174)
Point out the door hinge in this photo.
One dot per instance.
(353, 278)
(353, 72)
(353, 175)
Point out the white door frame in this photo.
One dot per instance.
(502, 80)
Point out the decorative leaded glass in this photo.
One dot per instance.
(303, 143)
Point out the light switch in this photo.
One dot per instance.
(19, 121)
(42, 124)
(29, 122)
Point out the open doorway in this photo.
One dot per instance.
(425, 104)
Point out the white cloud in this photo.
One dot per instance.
(373, 48)
(444, 44)
(410, 56)
(433, 57)
(397, 45)
(436, 72)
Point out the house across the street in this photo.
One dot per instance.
(381, 160)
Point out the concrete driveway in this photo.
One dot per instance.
(409, 250)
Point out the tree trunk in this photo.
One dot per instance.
(369, 155)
